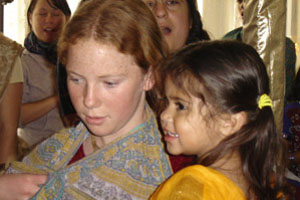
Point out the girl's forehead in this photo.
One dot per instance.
(102, 59)
(45, 4)
(170, 86)
(185, 82)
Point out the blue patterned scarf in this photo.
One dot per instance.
(34, 45)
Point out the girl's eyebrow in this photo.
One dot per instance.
(72, 72)
(42, 9)
(176, 98)
(103, 76)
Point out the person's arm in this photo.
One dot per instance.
(34, 110)
(9, 119)
(20, 186)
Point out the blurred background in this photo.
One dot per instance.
(219, 17)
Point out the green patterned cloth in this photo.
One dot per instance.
(129, 168)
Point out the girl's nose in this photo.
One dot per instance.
(160, 10)
(90, 97)
(166, 116)
(49, 18)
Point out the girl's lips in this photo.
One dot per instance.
(170, 136)
(48, 29)
(95, 120)
(165, 30)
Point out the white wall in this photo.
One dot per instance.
(219, 17)
(15, 20)
(73, 4)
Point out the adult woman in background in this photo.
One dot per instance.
(180, 21)
(40, 117)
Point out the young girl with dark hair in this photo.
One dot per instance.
(217, 106)
(180, 23)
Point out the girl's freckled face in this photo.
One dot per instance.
(107, 88)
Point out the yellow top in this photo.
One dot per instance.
(198, 182)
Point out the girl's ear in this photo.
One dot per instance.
(233, 123)
(30, 18)
(149, 80)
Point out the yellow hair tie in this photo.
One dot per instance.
(264, 100)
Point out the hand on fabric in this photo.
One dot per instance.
(20, 186)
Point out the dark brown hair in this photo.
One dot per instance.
(197, 32)
(231, 76)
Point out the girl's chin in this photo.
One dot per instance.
(173, 151)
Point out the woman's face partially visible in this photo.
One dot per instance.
(47, 21)
(173, 19)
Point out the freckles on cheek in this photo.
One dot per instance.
(75, 95)
(122, 102)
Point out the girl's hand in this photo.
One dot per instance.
(20, 186)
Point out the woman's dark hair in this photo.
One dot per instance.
(197, 32)
(59, 4)
(230, 76)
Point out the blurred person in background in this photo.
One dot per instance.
(40, 115)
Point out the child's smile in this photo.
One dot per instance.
(185, 123)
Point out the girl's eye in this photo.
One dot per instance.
(150, 4)
(172, 2)
(180, 106)
(42, 14)
(56, 14)
(74, 80)
(110, 83)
